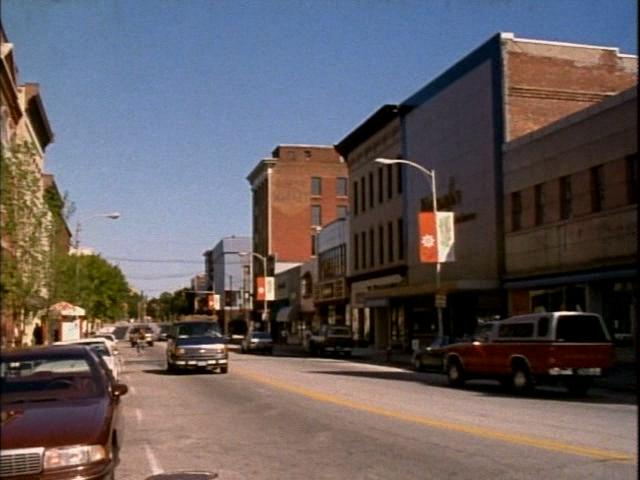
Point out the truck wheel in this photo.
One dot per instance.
(171, 367)
(224, 369)
(455, 374)
(521, 379)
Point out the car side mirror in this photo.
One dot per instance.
(120, 389)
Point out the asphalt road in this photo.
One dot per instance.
(307, 418)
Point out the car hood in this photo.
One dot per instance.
(61, 422)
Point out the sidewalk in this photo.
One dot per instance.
(623, 377)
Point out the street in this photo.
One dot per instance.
(292, 417)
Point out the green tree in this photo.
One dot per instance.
(26, 232)
(94, 284)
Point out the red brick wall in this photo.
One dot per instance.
(547, 82)
(291, 198)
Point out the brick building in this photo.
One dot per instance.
(571, 198)
(24, 121)
(295, 192)
(456, 126)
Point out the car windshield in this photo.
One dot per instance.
(200, 340)
(36, 378)
(100, 348)
(339, 331)
(198, 329)
(262, 335)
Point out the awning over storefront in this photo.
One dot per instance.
(584, 277)
(67, 309)
(287, 314)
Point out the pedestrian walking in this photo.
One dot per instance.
(140, 341)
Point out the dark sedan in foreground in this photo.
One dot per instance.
(61, 415)
(198, 352)
(257, 342)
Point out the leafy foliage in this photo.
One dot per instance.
(94, 284)
(26, 230)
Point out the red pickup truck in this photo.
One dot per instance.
(571, 348)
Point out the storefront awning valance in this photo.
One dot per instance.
(287, 314)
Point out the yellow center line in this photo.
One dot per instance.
(482, 432)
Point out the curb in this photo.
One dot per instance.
(620, 373)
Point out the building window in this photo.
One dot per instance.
(390, 241)
(363, 248)
(389, 181)
(380, 186)
(565, 197)
(381, 245)
(341, 211)
(313, 244)
(516, 211)
(316, 186)
(363, 194)
(307, 154)
(400, 239)
(372, 251)
(356, 253)
(341, 186)
(316, 215)
(538, 194)
(399, 171)
(632, 178)
(597, 188)
(355, 198)
(371, 190)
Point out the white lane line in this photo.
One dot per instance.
(132, 390)
(139, 416)
(153, 463)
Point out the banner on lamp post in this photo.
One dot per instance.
(436, 237)
(270, 288)
(260, 289)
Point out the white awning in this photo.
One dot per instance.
(286, 314)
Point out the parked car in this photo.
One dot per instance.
(432, 356)
(165, 330)
(120, 332)
(257, 342)
(61, 414)
(197, 345)
(331, 339)
(104, 348)
(107, 336)
(571, 348)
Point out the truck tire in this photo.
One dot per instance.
(521, 381)
(224, 369)
(455, 374)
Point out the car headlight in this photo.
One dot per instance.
(180, 351)
(219, 348)
(73, 456)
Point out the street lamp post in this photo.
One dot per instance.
(432, 176)
(112, 216)
(264, 272)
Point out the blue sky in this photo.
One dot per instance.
(160, 108)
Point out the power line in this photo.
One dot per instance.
(152, 260)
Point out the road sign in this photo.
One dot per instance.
(441, 300)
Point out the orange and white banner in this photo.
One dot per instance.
(436, 237)
(265, 288)
(260, 288)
